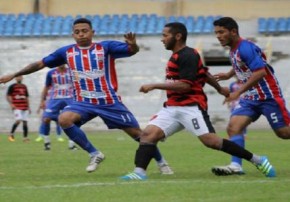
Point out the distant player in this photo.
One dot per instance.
(17, 96)
(56, 94)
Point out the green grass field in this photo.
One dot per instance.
(28, 173)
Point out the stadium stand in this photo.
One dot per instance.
(274, 26)
(37, 25)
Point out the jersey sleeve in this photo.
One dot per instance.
(116, 49)
(56, 58)
(252, 56)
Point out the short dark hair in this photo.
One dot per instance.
(83, 20)
(227, 22)
(177, 27)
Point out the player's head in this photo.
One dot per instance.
(19, 79)
(83, 32)
(226, 30)
(61, 67)
(173, 33)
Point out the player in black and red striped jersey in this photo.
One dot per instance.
(17, 96)
(186, 105)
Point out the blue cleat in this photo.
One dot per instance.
(266, 168)
(133, 176)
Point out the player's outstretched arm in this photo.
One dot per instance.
(33, 67)
(224, 76)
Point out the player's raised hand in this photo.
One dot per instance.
(130, 38)
(6, 78)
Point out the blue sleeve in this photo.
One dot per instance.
(48, 80)
(116, 49)
(251, 55)
(56, 58)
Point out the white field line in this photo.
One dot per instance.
(95, 184)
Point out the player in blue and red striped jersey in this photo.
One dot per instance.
(92, 69)
(260, 90)
(185, 107)
(56, 94)
(18, 98)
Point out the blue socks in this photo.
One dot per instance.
(239, 140)
(80, 138)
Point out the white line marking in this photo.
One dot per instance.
(91, 184)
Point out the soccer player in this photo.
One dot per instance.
(92, 69)
(186, 106)
(56, 94)
(261, 93)
(17, 96)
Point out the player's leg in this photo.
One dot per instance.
(162, 126)
(278, 117)
(67, 120)
(45, 126)
(17, 117)
(145, 152)
(25, 114)
(162, 164)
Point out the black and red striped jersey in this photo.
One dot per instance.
(19, 95)
(186, 66)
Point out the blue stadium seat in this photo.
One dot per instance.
(282, 25)
(262, 25)
(198, 25)
(208, 25)
(161, 21)
(272, 25)
(189, 24)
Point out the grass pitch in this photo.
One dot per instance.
(28, 173)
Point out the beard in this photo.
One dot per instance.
(170, 45)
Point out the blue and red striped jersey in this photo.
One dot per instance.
(59, 84)
(92, 69)
(247, 58)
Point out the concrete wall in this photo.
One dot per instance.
(242, 9)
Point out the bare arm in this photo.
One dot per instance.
(213, 82)
(9, 100)
(43, 98)
(253, 80)
(224, 76)
(174, 86)
(33, 67)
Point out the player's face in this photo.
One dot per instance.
(168, 39)
(83, 34)
(223, 35)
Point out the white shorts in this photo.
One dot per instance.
(172, 119)
(20, 114)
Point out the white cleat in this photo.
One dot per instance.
(165, 169)
(95, 162)
(228, 170)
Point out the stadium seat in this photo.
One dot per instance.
(272, 25)
(282, 25)
(262, 25)
(198, 25)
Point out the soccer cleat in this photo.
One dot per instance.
(60, 139)
(73, 148)
(133, 176)
(227, 170)
(95, 162)
(266, 168)
(47, 146)
(26, 139)
(11, 138)
(38, 139)
(165, 169)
